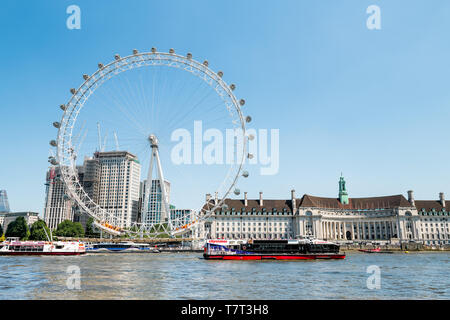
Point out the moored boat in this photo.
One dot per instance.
(376, 250)
(370, 250)
(14, 247)
(304, 249)
(121, 247)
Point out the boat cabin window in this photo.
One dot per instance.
(29, 248)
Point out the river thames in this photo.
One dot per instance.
(185, 276)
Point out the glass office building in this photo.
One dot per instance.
(4, 204)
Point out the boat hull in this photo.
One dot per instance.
(374, 251)
(109, 250)
(273, 257)
(41, 253)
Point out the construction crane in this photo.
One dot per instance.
(99, 137)
(104, 142)
(117, 141)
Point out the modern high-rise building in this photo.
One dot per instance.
(152, 212)
(111, 179)
(118, 174)
(58, 206)
(180, 217)
(87, 177)
(4, 204)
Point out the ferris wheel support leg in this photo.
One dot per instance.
(165, 217)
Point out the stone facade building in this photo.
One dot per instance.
(389, 218)
(434, 217)
(7, 217)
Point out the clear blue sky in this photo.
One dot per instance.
(373, 104)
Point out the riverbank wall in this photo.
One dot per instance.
(395, 247)
(183, 244)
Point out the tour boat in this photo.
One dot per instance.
(302, 249)
(120, 247)
(13, 247)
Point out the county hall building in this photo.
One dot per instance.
(339, 219)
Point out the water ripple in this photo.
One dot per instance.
(184, 276)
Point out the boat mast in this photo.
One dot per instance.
(49, 238)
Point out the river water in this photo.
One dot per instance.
(185, 276)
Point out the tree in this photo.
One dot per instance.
(68, 228)
(37, 231)
(90, 232)
(2, 234)
(18, 228)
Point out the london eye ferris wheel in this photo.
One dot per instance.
(143, 103)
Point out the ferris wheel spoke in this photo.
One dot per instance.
(129, 111)
(183, 122)
(154, 95)
(132, 121)
(146, 104)
(194, 106)
(137, 103)
(125, 99)
(192, 95)
(172, 110)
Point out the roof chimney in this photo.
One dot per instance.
(260, 199)
(442, 199)
(216, 200)
(411, 197)
(245, 199)
(208, 197)
(294, 202)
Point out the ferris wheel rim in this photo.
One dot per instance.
(103, 74)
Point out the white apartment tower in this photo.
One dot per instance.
(118, 187)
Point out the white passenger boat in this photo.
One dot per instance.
(14, 247)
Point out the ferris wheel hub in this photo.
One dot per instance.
(153, 140)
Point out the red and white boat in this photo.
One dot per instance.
(303, 249)
(376, 250)
(14, 247)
